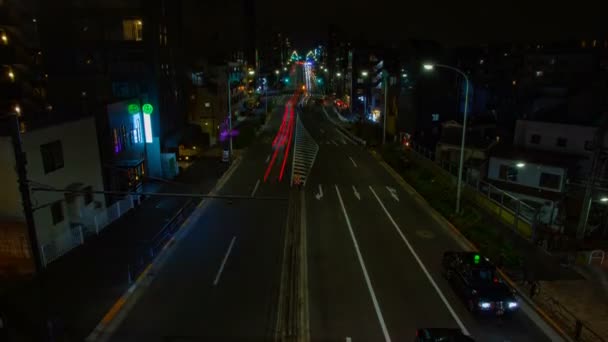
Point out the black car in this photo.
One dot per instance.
(476, 280)
(442, 334)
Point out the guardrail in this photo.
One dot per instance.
(508, 207)
(148, 250)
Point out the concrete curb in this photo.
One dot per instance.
(545, 323)
(111, 320)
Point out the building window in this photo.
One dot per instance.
(535, 139)
(132, 29)
(52, 156)
(561, 142)
(88, 195)
(549, 180)
(57, 212)
(507, 173)
(435, 117)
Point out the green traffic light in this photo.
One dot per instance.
(476, 258)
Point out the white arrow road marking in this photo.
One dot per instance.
(352, 160)
(393, 193)
(320, 194)
(356, 193)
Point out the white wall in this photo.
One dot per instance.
(529, 175)
(81, 165)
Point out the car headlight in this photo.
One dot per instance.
(512, 305)
(484, 305)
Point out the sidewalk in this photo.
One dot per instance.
(565, 294)
(82, 285)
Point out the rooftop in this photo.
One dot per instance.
(564, 160)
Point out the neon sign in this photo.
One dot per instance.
(133, 108)
(148, 109)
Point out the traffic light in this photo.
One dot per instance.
(476, 259)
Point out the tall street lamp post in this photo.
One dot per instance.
(430, 67)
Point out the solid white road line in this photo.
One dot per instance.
(387, 338)
(219, 272)
(267, 159)
(345, 136)
(419, 261)
(255, 188)
(352, 160)
(356, 193)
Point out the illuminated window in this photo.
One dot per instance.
(132, 29)
(583, 43)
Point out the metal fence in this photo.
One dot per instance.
(472, 178)
(78, 233)
(572, 325)
(148, 250)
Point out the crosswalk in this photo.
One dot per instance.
(305, 152)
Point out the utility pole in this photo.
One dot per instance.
(385, 80)
(588, 199)
(229, 114)
(28, 213)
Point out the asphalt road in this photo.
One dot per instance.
(220, 283)
(374, 254)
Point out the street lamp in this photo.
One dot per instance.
(430, 67)
(276, 72)
(364, 73)
(339, 74)
(604, 199)
(251, 72)
(520, 164)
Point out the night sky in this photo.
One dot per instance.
(449, 22)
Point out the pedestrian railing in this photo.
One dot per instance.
(571, 324)
(149, 249)
(78, 233)
(517, 207)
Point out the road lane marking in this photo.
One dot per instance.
(267, 159)
(255, 188)
(219, 272)
(356, 193)
(393, 193)
(368, 282)
(334, 142)
(319, 195)
(345, 136)
(352, 160)
(348, 339)
(419, 261)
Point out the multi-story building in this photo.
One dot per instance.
(106, 52)
(64, 157)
